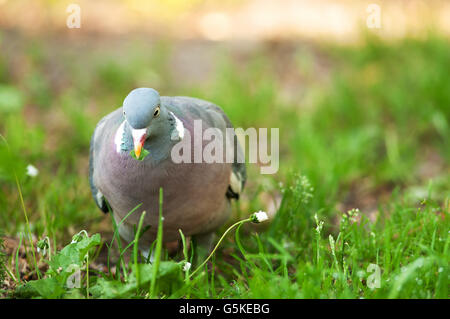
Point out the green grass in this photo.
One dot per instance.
(369, 132)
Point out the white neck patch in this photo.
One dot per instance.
(118, 138)
(178, 132)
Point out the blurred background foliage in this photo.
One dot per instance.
(358, 119)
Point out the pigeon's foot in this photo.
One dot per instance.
(149, 256)
(203, 245)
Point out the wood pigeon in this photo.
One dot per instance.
(196, 196)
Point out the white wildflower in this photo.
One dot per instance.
(187, 266)
(32, 170)
(319, 224)
(259, 217)
(43, 250)
(42, 246)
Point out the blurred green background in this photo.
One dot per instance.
(363, 113)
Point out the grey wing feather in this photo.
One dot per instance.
(239, 173)
(96, 194)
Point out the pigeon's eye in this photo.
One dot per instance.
(156, 113)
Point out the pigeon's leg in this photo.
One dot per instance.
(203, 245)
(146, 253)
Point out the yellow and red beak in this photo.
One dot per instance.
(139, 137)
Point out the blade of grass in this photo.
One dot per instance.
(119, 242)
(30, 237)
(158, 246)
(87, 275)
(185, 253)
(17, 257)
(135, 251)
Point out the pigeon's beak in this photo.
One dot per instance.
(139, 137)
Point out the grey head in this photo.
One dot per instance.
(141, 106)
(147, 118)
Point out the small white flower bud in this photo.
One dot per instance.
(259, 217)
(187, 266)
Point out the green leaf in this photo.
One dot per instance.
(45, 288)
(74, 253)
(62, 265)
(168, 276)
(144, 153)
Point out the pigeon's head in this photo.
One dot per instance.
(143, 112)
